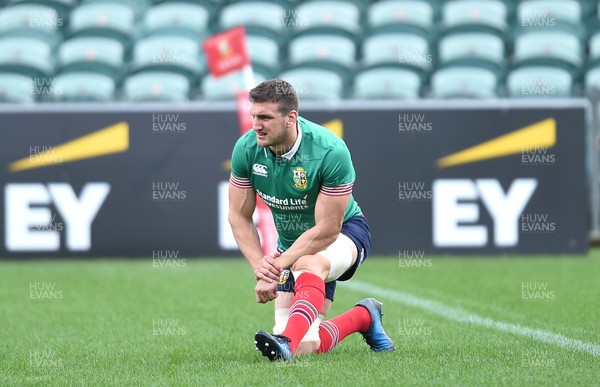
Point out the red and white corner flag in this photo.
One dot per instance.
(226, 52)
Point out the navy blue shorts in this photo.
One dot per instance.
(355, 228)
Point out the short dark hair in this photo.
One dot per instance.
(276, 90)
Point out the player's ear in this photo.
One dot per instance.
(291, 118)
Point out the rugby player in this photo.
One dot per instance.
(304, 173)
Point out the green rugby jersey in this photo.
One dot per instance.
(289, 184)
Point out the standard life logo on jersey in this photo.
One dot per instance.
(30, 225)
(456, 203)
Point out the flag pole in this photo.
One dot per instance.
(265, 224)
(226, 53)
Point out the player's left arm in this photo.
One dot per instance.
(329, 216)
(337, 179)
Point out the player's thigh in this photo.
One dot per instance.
(341, 255)
(331, 262)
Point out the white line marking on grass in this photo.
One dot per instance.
(462, 316)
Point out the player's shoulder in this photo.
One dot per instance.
(319, 135)
(247, 140)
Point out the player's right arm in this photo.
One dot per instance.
(242, 202)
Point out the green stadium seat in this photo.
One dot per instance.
(156, 86)
(258, 17)
(139, 7)
(544, 14)
(464, 82)
(475, 15)
(594, 51)
(62, 7)
(264, 54)
(558, 48)
(539, 82)
(315, 84)
(404, 49)
(92, 54)
(178, 18)
(27, 56)
(331, 15)
(225, 87)
(33, 21)
(472, 48)
(83, 87)
(413, 15)
(555, 15)
(334, 52)
(170, 53)
(104, 19)
(387, 83)
(15, 88)
(592, 81)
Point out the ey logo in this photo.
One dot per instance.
(27, 206)
(456, 201)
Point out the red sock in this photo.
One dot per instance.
(309, 296)
(331, 332)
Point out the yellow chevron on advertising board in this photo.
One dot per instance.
(540, 134)
(109, 140)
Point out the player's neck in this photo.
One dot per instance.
(282, 149)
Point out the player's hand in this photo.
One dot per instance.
(267, 269)
(265, 291)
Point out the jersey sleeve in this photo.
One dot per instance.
(338, 172)
(240, 166)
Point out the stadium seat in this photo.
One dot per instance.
(27, 56)
(544, 14)
(258, 17)
(225, 87)
(555, 15)
(475, 15)
(404, 49)
(264, 54)
(15, 88)
(464, 82)
(329, 16)
(592, 82)
(178, 18)
(93, 54)
(387, 83)
(83, 87)
(156, 86)
(104, 19)
(315, 84)
(171, 53)
(62, 7)
(539, 82)
(139, 7)
(472, 48)
(33, 21)
(557, 48)
(327, 51)
(411, 15)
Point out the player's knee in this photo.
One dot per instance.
(314, 264)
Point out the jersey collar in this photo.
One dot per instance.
(290, 154)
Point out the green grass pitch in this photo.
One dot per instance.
(455, 321)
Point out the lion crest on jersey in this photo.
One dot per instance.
(300, 178)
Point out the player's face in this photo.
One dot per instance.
(272, 128)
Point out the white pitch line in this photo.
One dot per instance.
(462, 316)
